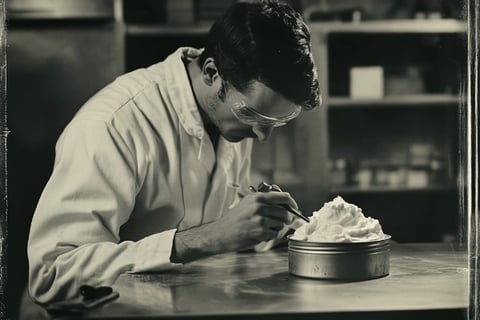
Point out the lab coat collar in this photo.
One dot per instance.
(181, 91)
(184, 103)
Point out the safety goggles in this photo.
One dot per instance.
(253, 118)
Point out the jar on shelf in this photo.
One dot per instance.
(364, 174)
(338, 172)
(382, 174)
(397, 176)
(417, 177)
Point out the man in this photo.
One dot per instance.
(153, 170)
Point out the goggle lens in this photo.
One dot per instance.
(254, 118)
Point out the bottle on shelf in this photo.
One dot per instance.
(338, 172)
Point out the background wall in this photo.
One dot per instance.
(54, 66)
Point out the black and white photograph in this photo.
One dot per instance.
(239, 159)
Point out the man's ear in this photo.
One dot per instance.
(209, 72)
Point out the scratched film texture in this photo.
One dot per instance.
(3, 156)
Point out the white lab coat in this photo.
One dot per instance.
(134, 166)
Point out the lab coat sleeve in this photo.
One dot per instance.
(74, 236)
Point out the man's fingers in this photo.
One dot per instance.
(278, 198)
(276, 212)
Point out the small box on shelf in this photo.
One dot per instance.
(366, 82)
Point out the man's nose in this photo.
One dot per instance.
(262, 132)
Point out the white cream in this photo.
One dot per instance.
(339, 221)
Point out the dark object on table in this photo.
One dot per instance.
(89, 298)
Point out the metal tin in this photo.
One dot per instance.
(339, 260)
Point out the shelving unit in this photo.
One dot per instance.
(413, 100)
(412, 26)
(166, 30)
(394, 154)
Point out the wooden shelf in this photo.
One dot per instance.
(387, 189)
(168, 30)
(392, 26)
(389, 26)
(433, 100)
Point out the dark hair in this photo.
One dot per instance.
(267, 42)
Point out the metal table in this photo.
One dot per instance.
(426, 281)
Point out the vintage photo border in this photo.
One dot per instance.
(470, 187)
(472, 135)
(3, 159)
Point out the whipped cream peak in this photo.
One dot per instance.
(339, 221)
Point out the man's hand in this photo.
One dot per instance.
(257, 217)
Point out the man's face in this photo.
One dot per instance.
(252, 114)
